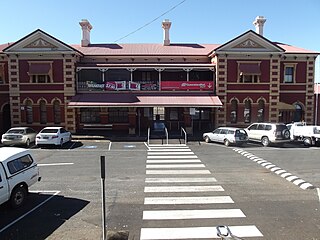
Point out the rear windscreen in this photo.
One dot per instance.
(49, 131)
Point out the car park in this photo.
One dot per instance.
(19, 136)
(56, 136)
(268, 133)
(227, 136)
(18, 171)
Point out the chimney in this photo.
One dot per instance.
(258, 23)
(86, 27)
(166, 24)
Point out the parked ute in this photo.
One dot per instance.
(227, 136)
(18, 171)
(308, 134)
(53, 136)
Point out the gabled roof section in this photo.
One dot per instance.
(39, 41)
(249, 41)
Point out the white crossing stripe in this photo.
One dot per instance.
(179, 180)
(175, 161)
(170, 157)
(167, 145)
(176, 166)
(170, 153)
(171, 150)
(196, 232)
(184, 189)
(175, 172)
(192, 214)
(188, 200)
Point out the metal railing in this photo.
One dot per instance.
(166, 132)
(185, 135)
(148, 139)
(167, 135)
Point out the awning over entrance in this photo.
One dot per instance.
(285, 106)
(145, 100)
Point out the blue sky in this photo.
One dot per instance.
(294, 22)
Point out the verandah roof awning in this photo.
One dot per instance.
(145, 100)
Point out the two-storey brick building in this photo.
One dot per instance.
(125, 87)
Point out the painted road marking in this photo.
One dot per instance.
(53, 164)
(33, 209)
(176, 172)
(184, 189)
(277, 170)
(170, 153)
(170, 157)
(196, 232)
(187, 200)
(175, 161)
(179, 180)
(192, 214)
(176, 166)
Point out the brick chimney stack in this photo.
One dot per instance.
(258, 23)
(166, 24)
(86, 28)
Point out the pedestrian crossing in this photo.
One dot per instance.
(183, 199)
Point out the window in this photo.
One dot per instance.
(90, 115)
(260, 114)
(19, 164)
(2, 78)
(29, 112)
(43, 112)
(40, 72)
(253, 127)
(247, 111)
(249, 72)
(288, 74)
(234, 109)
(56, 112)
(118, 115)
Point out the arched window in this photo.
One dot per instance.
(247, 111)
(29, 112)
(260, 114)
(56, 112)
(234, 111)
(43, 112)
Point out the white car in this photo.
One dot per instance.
(227, 136)
(53, 136)
(19, 136)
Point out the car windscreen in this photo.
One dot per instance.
(19, 131)
(49, 131)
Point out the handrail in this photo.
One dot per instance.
(185, 135)
(148, 139)
(167, 135)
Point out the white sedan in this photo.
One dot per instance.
(53, 136)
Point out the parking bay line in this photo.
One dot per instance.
(33, 209)
(53, 164)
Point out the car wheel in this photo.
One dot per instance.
(206, 139)
(286, 134)
(28, 143)
(18, 196)
(226, 142)
(307, 142)
(265, 141)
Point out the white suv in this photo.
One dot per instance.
(267, 133)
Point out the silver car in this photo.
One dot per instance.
(227, 136)
(19, 136)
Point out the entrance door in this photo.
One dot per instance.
(201, 120)
(6, 118)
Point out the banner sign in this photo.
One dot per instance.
(184, 85)
(115, 85)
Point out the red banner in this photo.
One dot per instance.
(184, 85)
(115, 85)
